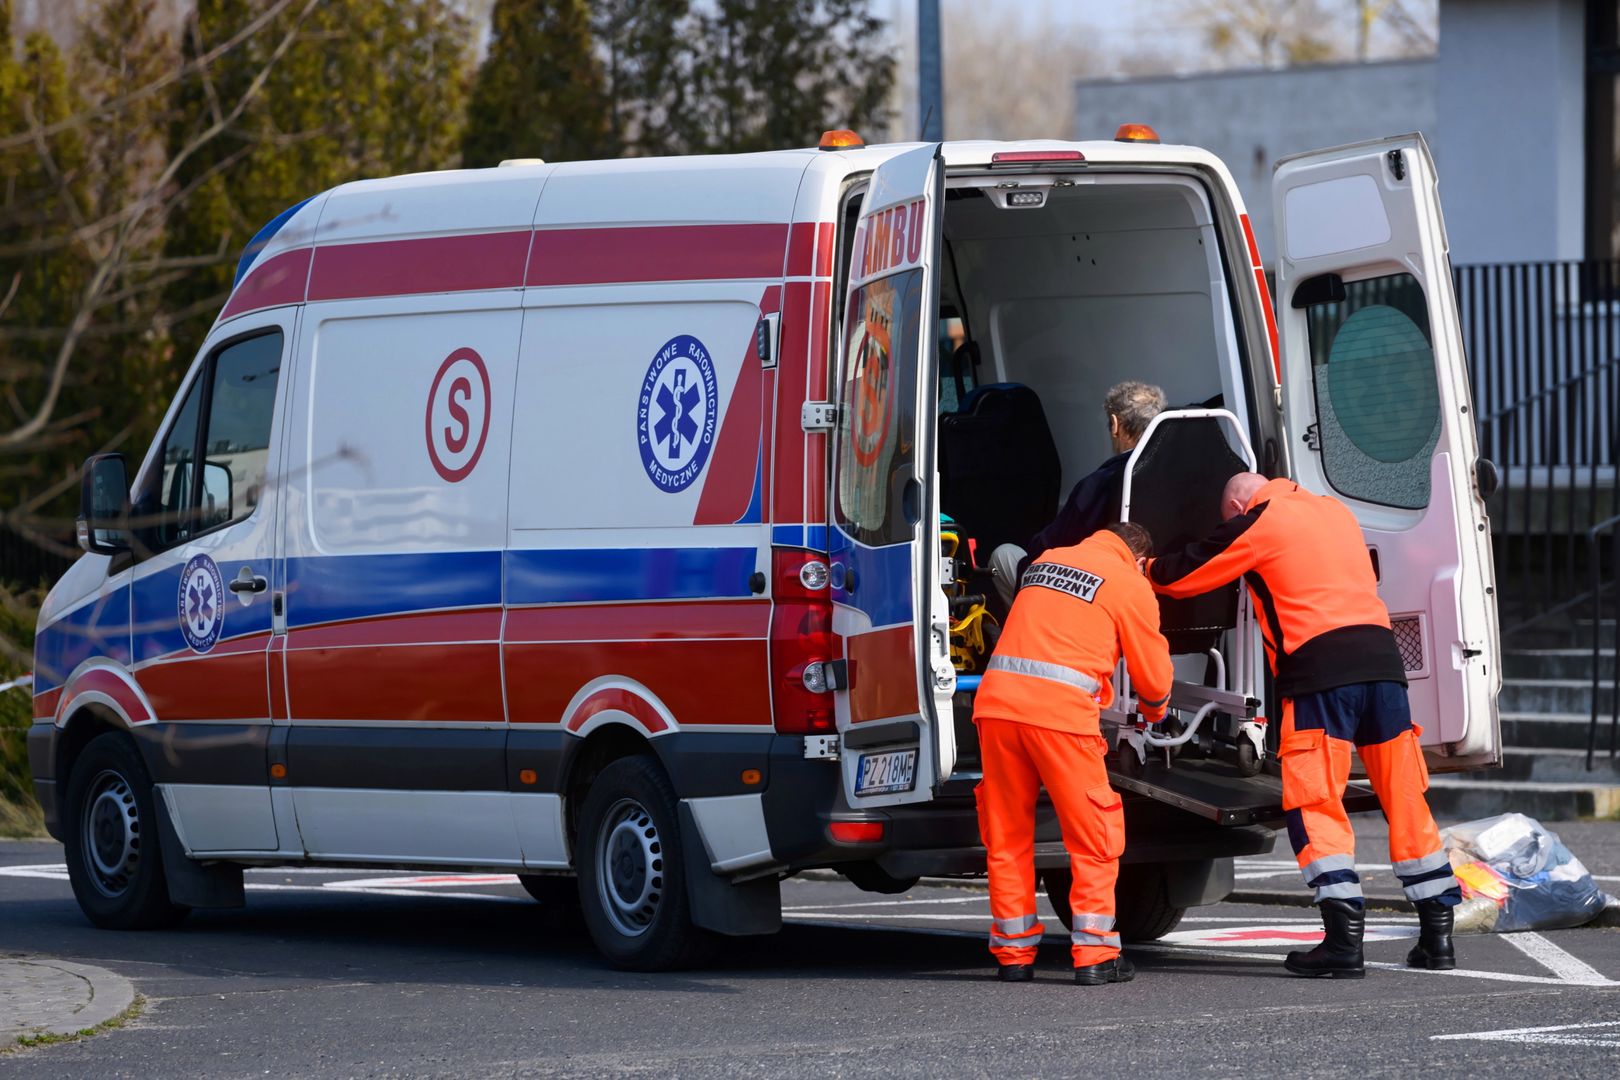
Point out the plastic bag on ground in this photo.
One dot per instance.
(1517, 875)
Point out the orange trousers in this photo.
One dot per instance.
(1018, 760)
(1318, 731)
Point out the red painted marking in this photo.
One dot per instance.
(438, 627)
(788, 501)
(771, 302)
(212, 687)
(657, 253)
(676, 621)
(882, 674)
(432, 682)
(1263, 935)
(810, 249)
(105, 681)
(278, 678)
(1248, 236)
(244, 643)
(45, 703)
(1271, 321)
(767, 450)
(729, 485)
(542, 678)
(816, 452)
(461, 388)
(420, 265)
(623, 701)
(276, 281)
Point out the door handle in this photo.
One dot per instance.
(246, 581)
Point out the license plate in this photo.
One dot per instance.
(879, 774)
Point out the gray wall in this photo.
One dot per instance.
(1249, 119)
(1512, 112)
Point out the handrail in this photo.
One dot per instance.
(1607, 524)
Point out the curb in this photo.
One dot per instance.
(78, 997)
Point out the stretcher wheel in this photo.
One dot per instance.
(1248, 758)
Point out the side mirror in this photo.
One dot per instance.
(1487, 478)
(104, 505)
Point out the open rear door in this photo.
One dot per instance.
(887, 604)
(1378, 412)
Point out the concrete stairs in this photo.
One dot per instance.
(1546, 714)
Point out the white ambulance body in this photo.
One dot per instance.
(583, 519)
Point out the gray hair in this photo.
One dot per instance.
(1136, 404)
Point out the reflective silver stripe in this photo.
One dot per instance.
(1080, 937)
(1413, 867)
(1040, 669)
(1425, 889)
(1092, 922)
(1343, 890)
(1020, 925)
(1016, 942)
(1326, 863)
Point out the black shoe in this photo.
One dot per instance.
(1119, 970)
(1434, 950)
(1339, 955)
(1016, 972)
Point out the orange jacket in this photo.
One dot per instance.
(1308, 570)
(1078, 609)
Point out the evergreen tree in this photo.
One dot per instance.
(539, 92)
(647, 64)
(769, 74)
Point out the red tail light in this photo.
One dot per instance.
(801, 637)
(1035, 157)
(855, 832)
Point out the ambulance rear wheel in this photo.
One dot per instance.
(114, 862)
(632, 880)
(1142, 909)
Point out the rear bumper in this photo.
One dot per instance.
(941, 837)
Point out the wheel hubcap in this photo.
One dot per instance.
(111, 833)
(629, 867)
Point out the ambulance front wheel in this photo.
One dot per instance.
(632, 880)
(112, 851)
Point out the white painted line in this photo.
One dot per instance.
(814, 913)
(1554, 1035)
(1464, 973)
(1556, 960)
(342, 887)
(432, 881)
(981, 899)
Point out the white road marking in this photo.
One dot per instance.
(1268, 936)
(982, 898)
(1555, 1035)
(1556, 960)
(345, 887)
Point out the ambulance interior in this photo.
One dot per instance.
(1092, 281)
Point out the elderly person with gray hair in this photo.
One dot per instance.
(1095, 500)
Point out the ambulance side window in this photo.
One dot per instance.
(1377, 401)
(237, 391)
(877, 409)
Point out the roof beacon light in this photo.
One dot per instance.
(1136, 133)
(841, 139)
(1030, 157)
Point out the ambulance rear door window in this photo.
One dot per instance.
(1377, 400)
(877, 410)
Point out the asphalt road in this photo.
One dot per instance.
(350, 973)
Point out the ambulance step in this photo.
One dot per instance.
(1218, 791)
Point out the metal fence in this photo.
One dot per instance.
(1543, 342)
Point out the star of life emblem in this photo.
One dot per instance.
(677, 414)
(202, 612)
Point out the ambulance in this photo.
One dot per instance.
(625, 525)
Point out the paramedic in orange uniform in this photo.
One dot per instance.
(1080, 608)
(1342, 684)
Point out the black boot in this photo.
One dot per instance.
(1015, 972)
(1433, 950)
(1118, 970)
(1339, 955)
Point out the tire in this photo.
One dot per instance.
(1144, 910)
(1141, 910)
(632, 878)
(114, 860)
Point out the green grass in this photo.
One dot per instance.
(19, 814)
(28, 1042)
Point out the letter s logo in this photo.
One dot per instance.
(460, 394)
